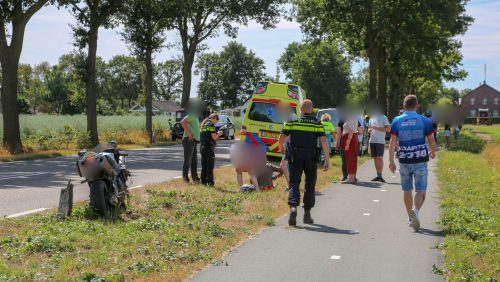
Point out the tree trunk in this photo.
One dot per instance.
(372, 57)
(9, 59)
(187, 66)
(382, 82)
(11, 131)
(149, 95)
(91, 87)
(396, 92)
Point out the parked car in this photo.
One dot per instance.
(227, 126)
(176, 128)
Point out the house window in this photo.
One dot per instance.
(496, 101)
(472, 101)
(472, 113)
(485, 101)
(495, 113)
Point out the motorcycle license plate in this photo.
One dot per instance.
(269, 134)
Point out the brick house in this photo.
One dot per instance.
(483, 97)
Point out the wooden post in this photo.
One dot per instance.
(66, 201)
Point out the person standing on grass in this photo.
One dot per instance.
(339, 145)
(329, 131)
(378, 126)
(447, 135)
(191, 125)
(207, 148)
(411, 130)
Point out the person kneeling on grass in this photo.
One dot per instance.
(207, 148)
(252, 160)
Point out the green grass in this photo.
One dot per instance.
(492, 130)
(171, 231)
(470, 215)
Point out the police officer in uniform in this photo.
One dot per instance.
(303, 155)
(207, 139)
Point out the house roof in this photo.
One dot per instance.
(166, 106)
(483, 87)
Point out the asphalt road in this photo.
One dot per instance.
(33, 185)
(360, 234)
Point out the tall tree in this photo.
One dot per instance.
(16, 14)
(168, 80)
(126, 79)
(321, 69)
(145, 23)
(198, 20)
(229, 76)
(38, 91)
(91, 15)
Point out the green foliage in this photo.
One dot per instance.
(23, 105)
(168, 80)
(321, 69)
(470, 216)
(467, 142)
(228, 77)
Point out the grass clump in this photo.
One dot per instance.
(470, 216)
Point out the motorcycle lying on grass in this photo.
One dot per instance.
(105, 170)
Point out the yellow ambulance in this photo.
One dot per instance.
(271, 105)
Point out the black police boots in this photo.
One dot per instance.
(307, 217)
(292, 220)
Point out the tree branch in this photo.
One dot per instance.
(35, 8)
(211, 27)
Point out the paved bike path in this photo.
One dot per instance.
(360, 234)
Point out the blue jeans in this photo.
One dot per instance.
(414, 172)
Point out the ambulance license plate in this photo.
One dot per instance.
(269, 134)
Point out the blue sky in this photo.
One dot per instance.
(48, 36)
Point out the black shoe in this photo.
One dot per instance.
(292, 220)
(343, 179)
(376, 179)
(186, 179)
(196, 180)
(307, 217)
(381, 179)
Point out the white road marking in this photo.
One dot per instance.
(383, 190)
(136, 187)
(20, 175)
(376, 201)
(335, 257)
(366, 213)
(26, 213)
(177, 177)
(353, 232)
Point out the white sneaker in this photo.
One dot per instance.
(415, 222)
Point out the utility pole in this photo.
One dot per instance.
(277, 72)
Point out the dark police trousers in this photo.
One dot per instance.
(302, 160)
(207, 164)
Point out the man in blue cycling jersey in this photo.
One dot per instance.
(411, 130)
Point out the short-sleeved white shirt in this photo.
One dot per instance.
(378, 137)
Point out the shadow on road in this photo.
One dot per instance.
(327, 229)
(373, 185)
(429, 232)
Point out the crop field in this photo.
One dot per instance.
(41, 133)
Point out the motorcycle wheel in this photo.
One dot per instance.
(97, 198)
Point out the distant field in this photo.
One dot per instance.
(30, 124)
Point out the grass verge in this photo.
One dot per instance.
(470, 214)
(171, 231)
